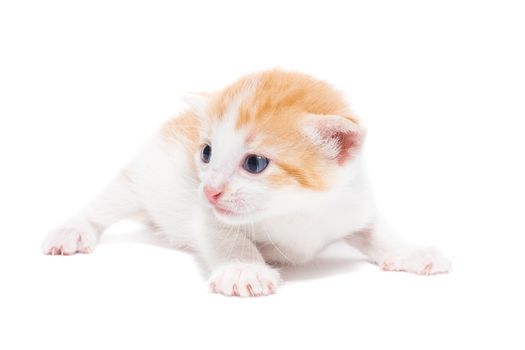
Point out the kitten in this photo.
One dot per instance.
(266, 172)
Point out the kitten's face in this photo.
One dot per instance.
(235, 174)
(269, 144)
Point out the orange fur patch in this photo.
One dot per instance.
(220, 102)
(287, 173)
(272, 105)
(184, 129)
(288, 95)
(273, 112)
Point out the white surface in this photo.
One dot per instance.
(439, 85)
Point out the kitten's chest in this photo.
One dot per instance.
(301, 236)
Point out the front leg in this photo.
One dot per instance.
(391, 254)
(81, 233)
(238, 269)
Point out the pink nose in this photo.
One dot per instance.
(213, 194)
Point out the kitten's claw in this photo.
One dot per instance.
(244, 280)
(427, 261)
(427, 270)
(250, 290)
(76, 237)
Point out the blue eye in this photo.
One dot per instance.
(255, 164)
(206, 153)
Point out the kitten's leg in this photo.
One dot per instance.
(391, 254)
(81, 233)
(238, 269)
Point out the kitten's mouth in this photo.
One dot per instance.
(231, 216)
(224, 211)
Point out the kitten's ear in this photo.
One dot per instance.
(198, 102)
(339, 137)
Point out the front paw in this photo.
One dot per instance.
(77, 236)
(244, 280)
(426, 261)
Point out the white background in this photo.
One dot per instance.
(440, 86)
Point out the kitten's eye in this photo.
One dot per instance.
(255, 164)
(206, 153)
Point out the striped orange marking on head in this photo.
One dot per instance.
(271, 106)
(288, 95)
(220, 102)
(273, 112)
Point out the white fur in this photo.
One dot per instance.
(281, 225)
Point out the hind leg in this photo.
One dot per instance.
(391, 254)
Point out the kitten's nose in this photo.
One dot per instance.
(213, 194)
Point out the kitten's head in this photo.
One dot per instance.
(269, 143)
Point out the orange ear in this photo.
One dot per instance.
(338, 137)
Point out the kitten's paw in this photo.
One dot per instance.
(426, 261)
(75, 237)
(244, 280)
